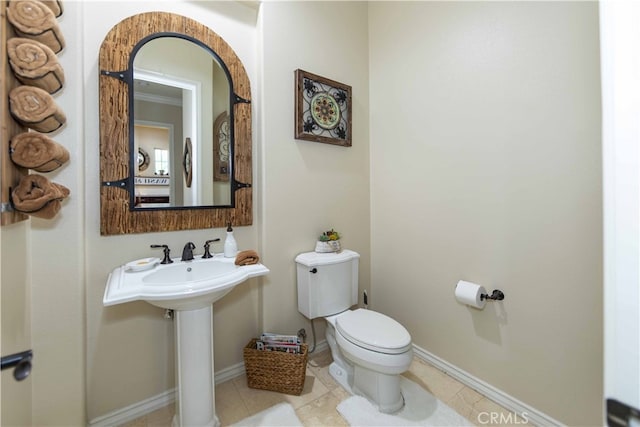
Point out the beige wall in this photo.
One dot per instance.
(308, 187)
(15, 320)
(486, 166)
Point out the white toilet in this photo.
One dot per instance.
(370, 350)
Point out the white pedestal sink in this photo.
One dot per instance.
(189, 288)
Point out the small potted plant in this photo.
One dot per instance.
(329, 241)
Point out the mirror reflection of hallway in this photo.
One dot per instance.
(189, 90)
(156, 184)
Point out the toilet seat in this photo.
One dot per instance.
(376, 361)
(373, 331)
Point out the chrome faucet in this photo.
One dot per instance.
(187, 252)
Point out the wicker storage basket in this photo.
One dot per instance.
(275, 370)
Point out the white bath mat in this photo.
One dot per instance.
(279, 415)
(421, 408)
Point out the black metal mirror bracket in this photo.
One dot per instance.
(21, 362)
(124, 183)
(238, 185)
(239, 100)
(124, 76)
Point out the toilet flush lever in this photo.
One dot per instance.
(313, 270)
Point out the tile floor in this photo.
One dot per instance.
(316, 406)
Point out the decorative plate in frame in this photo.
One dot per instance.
(143, 160)
(187, 162)
(323, 110)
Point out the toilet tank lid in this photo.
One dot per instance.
(315, 259)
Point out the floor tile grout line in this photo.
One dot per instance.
(244, 404)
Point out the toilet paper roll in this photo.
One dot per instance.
(470, 294)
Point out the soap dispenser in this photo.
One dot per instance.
(230, 245)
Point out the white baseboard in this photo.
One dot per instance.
(131, 412)
(510, 403)
(229, 373)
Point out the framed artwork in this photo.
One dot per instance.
(322, 110)
(187, 162)
(221, 137)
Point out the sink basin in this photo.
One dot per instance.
(188, 272)
(183, 285)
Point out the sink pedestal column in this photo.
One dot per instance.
(194, 368)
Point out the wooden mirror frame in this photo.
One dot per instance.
(116, 213)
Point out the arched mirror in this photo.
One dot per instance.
(176, 98)
(173, 96)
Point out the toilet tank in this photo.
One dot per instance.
(327, 282)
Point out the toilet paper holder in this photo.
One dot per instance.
(496, 295)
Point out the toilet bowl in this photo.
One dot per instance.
(369, 349)
(372, 351)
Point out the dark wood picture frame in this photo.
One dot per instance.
(221, 138)
(187, 162)
(322, 109)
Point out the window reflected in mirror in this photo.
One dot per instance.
(161, 161)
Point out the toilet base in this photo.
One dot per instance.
(382, 389)
(341, 376)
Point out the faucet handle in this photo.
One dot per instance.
(207, 254)
(167, 259)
